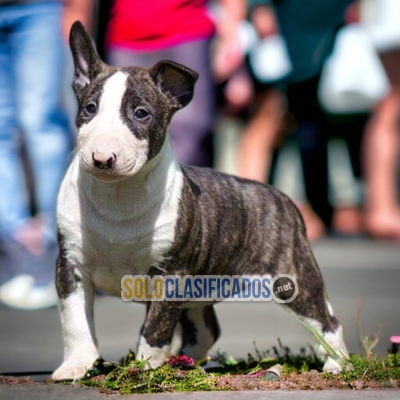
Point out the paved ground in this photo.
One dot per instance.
(353, 269)
(76, 393)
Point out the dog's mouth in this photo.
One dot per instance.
(107, 175)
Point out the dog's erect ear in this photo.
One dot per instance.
(87, 63)
(176, 81)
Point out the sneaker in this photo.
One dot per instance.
(27, 280)
(21, 292)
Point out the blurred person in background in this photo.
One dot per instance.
(142, 32)
(381, 147)
(381, 159)
(309, 32)
(261, 104)
(32, 57)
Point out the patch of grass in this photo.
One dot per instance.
(305, 361)
(302, 371)
(380, 369)
(131, 377)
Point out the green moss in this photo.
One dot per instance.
(380, 369)
(130, 376)
(305, 361)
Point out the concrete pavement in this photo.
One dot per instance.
(49, 392)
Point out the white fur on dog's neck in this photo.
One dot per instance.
(136, 195)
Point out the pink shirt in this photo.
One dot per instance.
(147, 25)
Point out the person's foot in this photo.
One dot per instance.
(314, 225)
(23, 293)
(27, 280)
(347, 220)
(383, 224)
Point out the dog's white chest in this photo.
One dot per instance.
(125, 251)
(113, 236)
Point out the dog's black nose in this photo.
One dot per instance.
(102, 161)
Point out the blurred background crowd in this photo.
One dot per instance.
(304, 95)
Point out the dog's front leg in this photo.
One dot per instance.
(157, 332)
(76, 306)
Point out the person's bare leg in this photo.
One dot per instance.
(260, 137)
(255, 152)
(381, 155)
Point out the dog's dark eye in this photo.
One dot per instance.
(140, 113)
(91, 108)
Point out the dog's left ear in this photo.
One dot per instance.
(86, 60)
(175, 81)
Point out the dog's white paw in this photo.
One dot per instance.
(153, 363)
(332, 366)
(154, 356)
(74, 369)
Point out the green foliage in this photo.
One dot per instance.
(380, 369)
(130, 375)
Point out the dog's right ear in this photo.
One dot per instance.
(86, 60)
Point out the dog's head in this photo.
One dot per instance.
(123, 112)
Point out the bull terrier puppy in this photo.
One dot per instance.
(126, 207)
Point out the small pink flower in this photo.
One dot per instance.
(181, 362)
(258, 374)
(395, 339)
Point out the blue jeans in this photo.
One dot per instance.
(32, 57)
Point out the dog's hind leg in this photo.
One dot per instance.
(328, 330)
(200, 330)
(311, 306)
